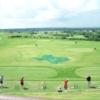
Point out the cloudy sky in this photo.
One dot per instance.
(49, 13)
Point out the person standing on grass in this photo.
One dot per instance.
(22, 82)
(89, 81)
(60, 90)
(1, 80)
(65, 84)
(44, 86)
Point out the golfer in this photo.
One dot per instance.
(44, 86)
(22, 81)
(89, 81)
(65, 84)
(1, 80)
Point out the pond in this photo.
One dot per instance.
(52, 59)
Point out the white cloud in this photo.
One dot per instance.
(70, 5)
(46, 15)
(22, 12)
(91, 5)
(19, 8)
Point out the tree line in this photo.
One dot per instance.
(71, 35)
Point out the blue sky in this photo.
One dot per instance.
(49, 13)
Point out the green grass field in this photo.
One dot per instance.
(27, 58)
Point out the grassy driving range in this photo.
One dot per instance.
(51, 60)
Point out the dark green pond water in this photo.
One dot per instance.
(52, 59)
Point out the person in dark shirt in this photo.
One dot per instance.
(22, 81)
(89, 81)
(1, 80)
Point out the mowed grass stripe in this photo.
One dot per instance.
(15, 73)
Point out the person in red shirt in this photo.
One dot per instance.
(65, 84)
(22, 81)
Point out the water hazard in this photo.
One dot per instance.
(52, 59)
